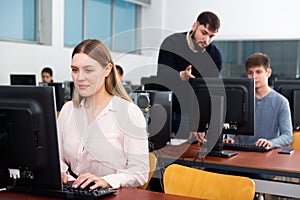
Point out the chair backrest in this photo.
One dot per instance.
(191, 182)
(152, 165)
(296, 140)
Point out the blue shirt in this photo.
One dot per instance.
(272, 121)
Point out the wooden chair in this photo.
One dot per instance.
(191, 182)
(296, 140)
(152, 165)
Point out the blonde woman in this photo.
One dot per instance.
(103, 137)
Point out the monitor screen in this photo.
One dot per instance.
(239, 103)
(296, 110)
(28, 138)
(290, 89)
(22, 79)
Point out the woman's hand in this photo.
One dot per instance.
(64, 177)
(90, 180)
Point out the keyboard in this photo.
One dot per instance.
(68, 192)
(86, 193)
(245, 147)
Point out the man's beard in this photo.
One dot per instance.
(197, 47)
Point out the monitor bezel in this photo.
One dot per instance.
(43, 170)
(217, 86)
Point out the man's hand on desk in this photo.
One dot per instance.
(263, 142)
(198, 136)
(260, 142)
(228, 140)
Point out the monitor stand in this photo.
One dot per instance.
(218, 150)
(216, 127)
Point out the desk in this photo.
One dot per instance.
(121, 194)
(251, 162)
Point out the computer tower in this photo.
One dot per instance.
(142, 100)
(157, 109)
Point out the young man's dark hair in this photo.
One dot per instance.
(258, 59)
(209, 18)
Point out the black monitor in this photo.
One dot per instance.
(234, 107)
(22, 79)
(291, 89)
(239, 103)
(28, 138)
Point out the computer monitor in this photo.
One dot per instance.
(22, 79)
(234, 106)
(28, 138)
(296, 110)
(239, 103)
(291, 89)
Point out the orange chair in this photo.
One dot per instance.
(296, 143)
(296, 140)
(191, 182)
(152, 165)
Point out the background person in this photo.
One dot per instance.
(193, 44)
(272, 123)
(47, 75)
(193, 55)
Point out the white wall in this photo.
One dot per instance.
(255, 19)
(246, 19)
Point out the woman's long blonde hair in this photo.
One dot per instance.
(96, 50)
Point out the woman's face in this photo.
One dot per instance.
(46, 77)
(88, 75)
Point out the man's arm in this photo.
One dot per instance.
(285, 127)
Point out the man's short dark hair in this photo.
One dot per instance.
(257, 60)
(210, 19)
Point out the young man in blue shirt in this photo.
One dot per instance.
(272, 123)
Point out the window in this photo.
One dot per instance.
(284, 56)
(23, 19)
(112, 21)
